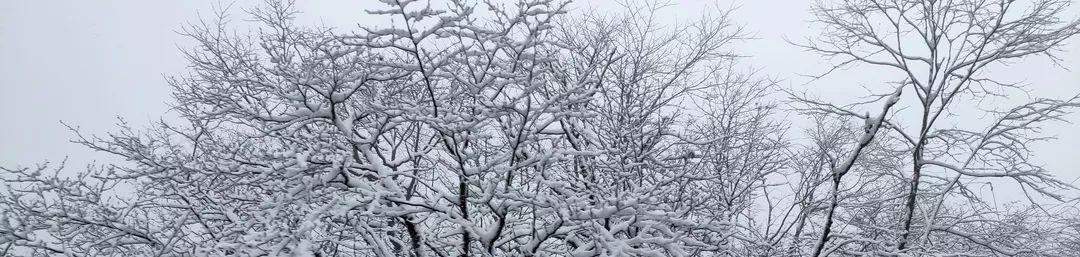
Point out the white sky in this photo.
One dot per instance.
(88, 62)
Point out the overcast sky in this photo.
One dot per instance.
(88, 62)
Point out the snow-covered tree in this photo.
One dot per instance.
(475, 129)
(530, 128)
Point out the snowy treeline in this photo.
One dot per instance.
(522, 128)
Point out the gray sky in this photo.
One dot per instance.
(87, 62)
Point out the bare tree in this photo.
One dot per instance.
(940, 52)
